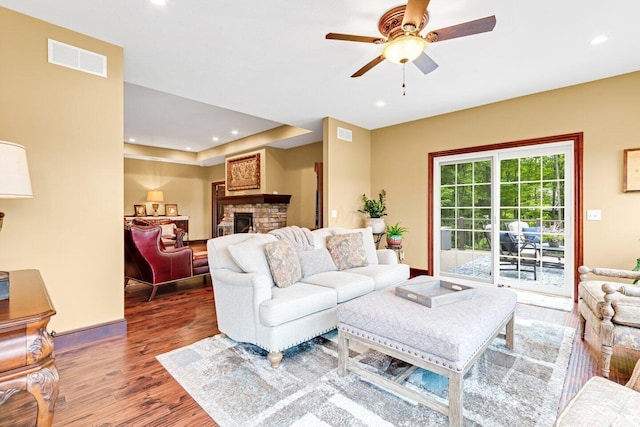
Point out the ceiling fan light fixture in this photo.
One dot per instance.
(404, 49)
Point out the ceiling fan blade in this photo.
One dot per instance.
(413, 14)
(369, 66)
(481, 25)
(425, 63)
(352, 38)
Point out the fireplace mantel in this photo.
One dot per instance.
(254, 199)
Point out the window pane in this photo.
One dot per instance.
(509, 170)
(529, 194)
(509, 195)
(448, 174)
(464, 173)
(482, 172)
(530, 169)
(464, 196)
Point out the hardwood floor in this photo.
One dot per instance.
(118, 382)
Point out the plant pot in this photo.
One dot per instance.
(554, 243)
(377, 224)
(394, 241)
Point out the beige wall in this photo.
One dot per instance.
(71, 125)
(347, 173)
(301, 183)
(275, 171)
(607, 111)
(187, 186)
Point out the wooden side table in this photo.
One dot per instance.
(26, 348)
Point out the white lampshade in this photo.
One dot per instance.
(155, 196)
(14, 172)
(404, 49)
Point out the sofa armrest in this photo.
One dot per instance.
(608, 272)
(238, 297)
(386, 256)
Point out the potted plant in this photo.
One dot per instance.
(394, 234)
(375, 209)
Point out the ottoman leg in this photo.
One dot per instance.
(510, 328)
(343, 353)
(455, 400)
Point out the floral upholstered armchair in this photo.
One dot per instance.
(611, 309)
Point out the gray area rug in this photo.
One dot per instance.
(235, 385)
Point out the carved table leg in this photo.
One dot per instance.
(43, 385)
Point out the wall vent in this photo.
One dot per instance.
(344, 134)
(79, 59)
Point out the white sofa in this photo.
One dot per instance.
(251, 308)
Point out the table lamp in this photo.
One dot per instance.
(14, 184)
(155, 196)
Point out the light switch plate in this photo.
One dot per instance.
(594, 215)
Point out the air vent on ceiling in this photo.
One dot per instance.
(344, 134)
(76, 58)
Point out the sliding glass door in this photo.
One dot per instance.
(504, 217)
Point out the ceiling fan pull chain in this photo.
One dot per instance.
(403, 80)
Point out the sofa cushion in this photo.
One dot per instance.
(320, 237)
(347, 285)
(315, 261)
(384, 275)
(218, 251)
(250, 256)
(295, 302)
(367, 240)
(283, 262)
(347, 250)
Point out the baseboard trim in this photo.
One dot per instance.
(76, 337)
(413, 272)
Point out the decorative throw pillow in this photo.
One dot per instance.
(315, 261)
(347, 250)
(250, 256)
(283, 262)
(367, 239)
(167, 229)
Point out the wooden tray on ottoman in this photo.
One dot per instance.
(434, 292)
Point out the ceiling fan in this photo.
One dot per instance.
(401, 28)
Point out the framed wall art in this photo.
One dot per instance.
(631, 179)
(243, 173)
(171, 210)
(140, 210)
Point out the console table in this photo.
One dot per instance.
(26, 348)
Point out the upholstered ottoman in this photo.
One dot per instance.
(446, 340)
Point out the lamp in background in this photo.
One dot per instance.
(155, 196)
(14, 184)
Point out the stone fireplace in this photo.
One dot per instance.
(242, 222)
(267, 212)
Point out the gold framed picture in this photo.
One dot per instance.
(631, 179)
(171, 210)
(140, 210)
(243, 173)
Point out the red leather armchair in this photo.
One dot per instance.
(149, 262)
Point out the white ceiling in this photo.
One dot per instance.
(195, 69)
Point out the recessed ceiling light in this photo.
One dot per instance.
(132, 140)
(159, 2)
(599, 39)
(188, 148)
(380, 103)
(215, 138)
(234, 132)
